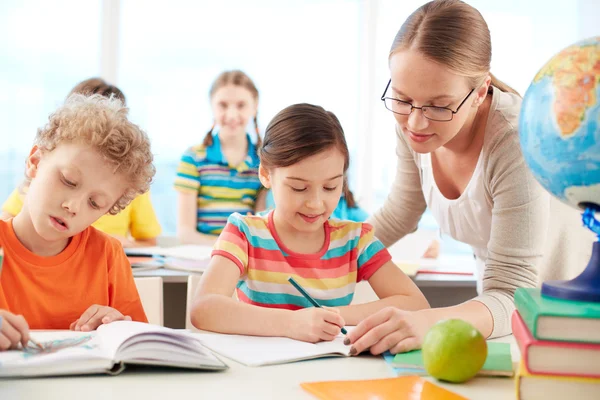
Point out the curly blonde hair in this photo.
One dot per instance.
(102, 123)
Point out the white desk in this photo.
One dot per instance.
(422, 280)
(272, 382)
(441, 290)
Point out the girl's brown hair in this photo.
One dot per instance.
(98, 86)
(235, 78)
(301, 131)
(452, 33)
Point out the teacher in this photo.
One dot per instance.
(458, 154)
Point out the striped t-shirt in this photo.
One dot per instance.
(222, 189)
(351, 253)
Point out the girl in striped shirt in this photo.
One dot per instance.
(303, 161)
(220, 176)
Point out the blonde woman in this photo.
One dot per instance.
(458, 154)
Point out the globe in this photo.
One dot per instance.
(559, 131)
(559, 125)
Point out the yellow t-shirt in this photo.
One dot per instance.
(137, 219)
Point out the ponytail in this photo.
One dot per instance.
(502, 86)
(208, 138)
(258, 138)
(350, 201)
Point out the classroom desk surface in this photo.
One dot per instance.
(271, 382)
(422, 280)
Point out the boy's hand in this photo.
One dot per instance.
(95, 316)
(315, 324)
(125, 242)
(13, 330)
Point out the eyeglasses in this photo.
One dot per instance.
(433, 113)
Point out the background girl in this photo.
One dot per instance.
(220, 176)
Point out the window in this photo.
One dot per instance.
(170, 54)
(46, 48)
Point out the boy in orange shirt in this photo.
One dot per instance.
(58, 272)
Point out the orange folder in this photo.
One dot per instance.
(401, 388)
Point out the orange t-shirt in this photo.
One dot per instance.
(52, 292)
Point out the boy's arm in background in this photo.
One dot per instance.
(214, 309)
(187, 220)
(144, 226)
(12, 206)
(393, 288)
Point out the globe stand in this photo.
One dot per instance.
(585, 287)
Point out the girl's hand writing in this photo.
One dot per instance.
(315, 324)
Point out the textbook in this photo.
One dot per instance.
(555, 358)
(190, 258)
(255, 351)
(530, 387)
(156, 262)
(107, 351)
(403, 388)
(548, 318)
(186, 252)
(497, 363)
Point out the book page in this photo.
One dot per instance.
(256, 350)
(128, 341)
(59, 350)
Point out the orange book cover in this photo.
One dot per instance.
(401, 388)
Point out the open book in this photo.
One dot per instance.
(108, 350)
(255, 351)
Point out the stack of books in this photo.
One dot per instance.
(560, 347)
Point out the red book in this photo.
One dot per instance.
(555, 358)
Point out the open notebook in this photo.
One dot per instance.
(255, 351)
(107, 351)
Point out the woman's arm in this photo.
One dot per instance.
(519, 224)
(187, 219)
(405, 204)
(394, 288)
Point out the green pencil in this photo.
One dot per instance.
(308, 297)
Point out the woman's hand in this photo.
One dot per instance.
(389, 329)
